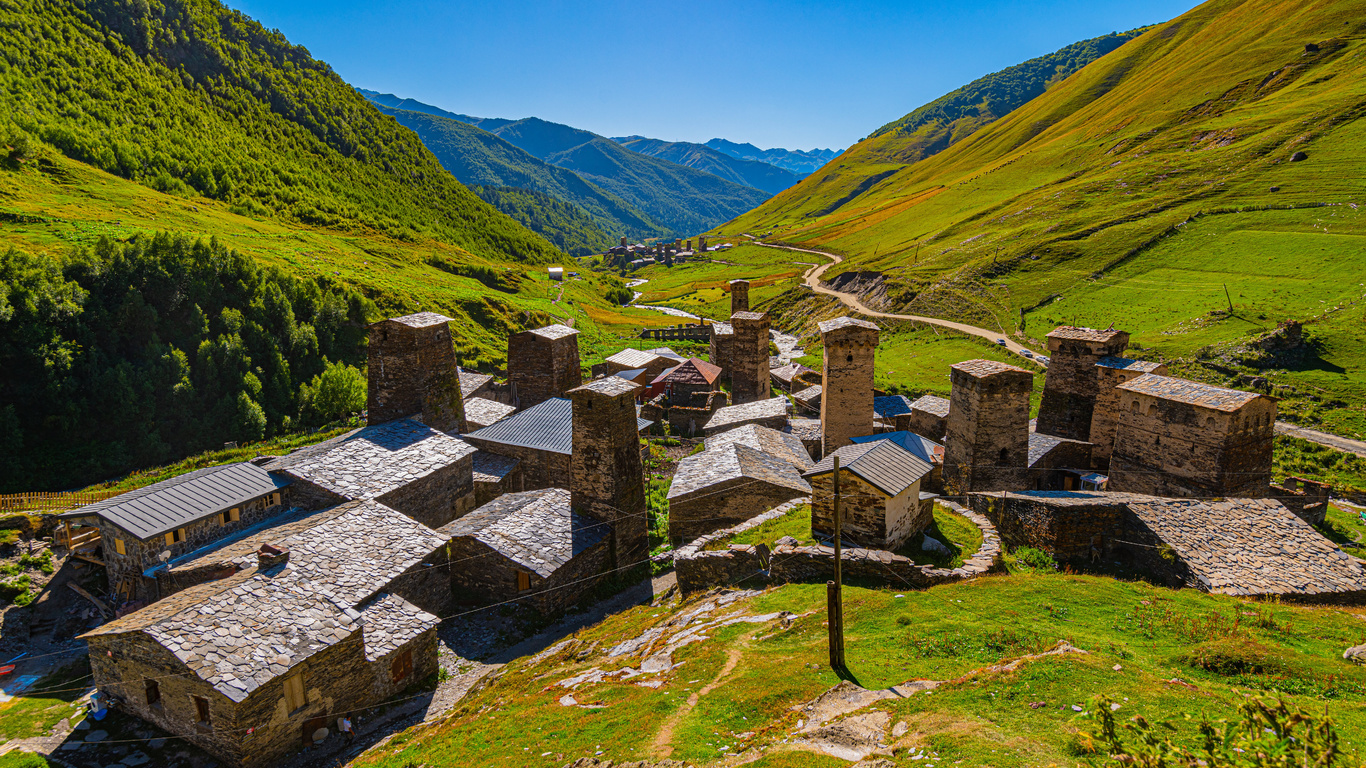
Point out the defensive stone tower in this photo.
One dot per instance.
(412, 372)
(749, 357)
(543, 363)
(846, 381)
(701, 243)
(986, 447)
(739, 296)
(623, 241)
(1111, 372)
(607, 481)
(1069, 390)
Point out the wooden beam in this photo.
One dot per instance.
(104, 609)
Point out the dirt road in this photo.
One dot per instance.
(1344, 444)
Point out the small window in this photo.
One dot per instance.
(234, 514)
(201, 708)
(120, 547)
(275, 499)
(402, 665)
(153, 694)
(294, 692)
(1005, 457)
(523, 581)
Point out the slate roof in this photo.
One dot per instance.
(665, 352)
(786, 373)
(747, 316)
(630, 375)
(781, 445)
(939, 406)
(546, 426)
(471, 381)
(420, 319)
(491, 468)
(535, 529)
(390, 622)
(1041, 444)
(733, 461)
(735, 415)
(556, 331)
(1127, 364)
(372, 461)
(633, 358)
(809, 395)
(481, 412)
(611, 386)
(922, 448)
(883, 463)
(804, 429)
(722, 329)
(983, 368)
(891, 406)
(160, 507)
(1189, 392)
(1082, 334)
(694, 371)
(839, 323)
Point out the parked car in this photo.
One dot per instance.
(1002, 342)
(1026, 353)
(1043, 359)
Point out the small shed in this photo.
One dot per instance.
(880, 504)
(556, 273)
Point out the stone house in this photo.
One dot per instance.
(630, 359)
(481, 412)
(689, 379)
(1056, 463)
(728, 483)
(722, 345)
(254, 666)
(808, 431)
(495, 475)
(788, 378)
(809, 400)
(543, 363)
(1111, 372)
(771, 413)
(1308, 499)
(142, 529)
(782, 445)
(920, 447)
(1183, 438)
(847, 380)
(749, 357)
(420, 471)
(1069, 390)
(929, 416)
(476, 384)
(881, 506)
(986, 442)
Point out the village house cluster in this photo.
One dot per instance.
(637, 255)
(263, 600)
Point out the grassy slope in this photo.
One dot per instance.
(1137, 635)
(1136, 189)
(751, 173)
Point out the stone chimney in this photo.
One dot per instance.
(986, 445)
(543, 363)
(413, 372)
(739, 296)
(749, 357)
(846, 381)
(270, 556)
(607, 479)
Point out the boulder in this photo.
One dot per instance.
(1356, 653)
(786, 541)
(1298, 156)
(931, 544)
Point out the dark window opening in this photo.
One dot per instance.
(402, 665)
(201, 706)
(153, 694)
(1005, 456)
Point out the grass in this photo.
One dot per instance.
(49, 701)
(962, 537)
(1345, 527)
(1159, 653)
(1301, 458)
(796, 523)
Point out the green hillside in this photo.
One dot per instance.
(1134, 192)
(751, 173)
(477, 157)
(200, 101)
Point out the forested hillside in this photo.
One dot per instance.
(192, 98)
(752, 173)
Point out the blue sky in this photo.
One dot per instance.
(789, 74)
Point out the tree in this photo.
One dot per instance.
(336, 393)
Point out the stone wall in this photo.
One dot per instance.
(868, 517)
(1105, 415)
(412, 372)
(739, 296)
(749, 357)
(540, 469)
(606, 476)
(722, 348)
(846, 381)
(438, 498)
(482, 575)
(543, 363)
(923, 423)
(1069, 394)
(723, 504)
(986, 445)
(1072, 529)
(427, 584)
(1306, 498)
(425, 662)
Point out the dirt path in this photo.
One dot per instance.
(813, 281)
(661, 746)
(1344, 444)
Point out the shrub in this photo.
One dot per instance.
(1035, 559)
(1233, 656)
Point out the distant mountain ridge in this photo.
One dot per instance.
(752, 173)
(798, 161)
(680, 199)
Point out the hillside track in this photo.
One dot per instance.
(1344, 444)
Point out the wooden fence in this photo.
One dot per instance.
(51, 502)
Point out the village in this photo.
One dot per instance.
(256, 608)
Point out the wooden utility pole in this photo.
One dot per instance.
(834, 603)
(1230, 299)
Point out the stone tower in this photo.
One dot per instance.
(1111, 372)
(846, 381)
(986, 446)
(412, 372)
(543, 363)
(739, 296)
(1069, 389)
(749, 357)
(606, 478)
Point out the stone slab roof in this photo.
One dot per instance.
(735, 415)
(722, 329)
(633, 358)
(481, 412)
(890, 406)
(1251, 547)
(746, 316)
(240, 548)
(374, 460)
(809, 395)
(420, 319)
(939, 406)
(665, 352)
(160, 507)
(1040, 445)
(694, 371)
(1075, 498)
(787, 373)
(882, 463)
(839, 323)
(611, 386)
(1127, 364)
(981, 369)
(1189, 392)
(1082, 334)
(389, 622)
(492, 468)
(781, 445)
(556, 331)
(471, 381)
(702, 472)
(805, 429)
(920, 447)
(535, 529)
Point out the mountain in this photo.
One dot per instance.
(751, 173)
(197, 99)
(799, 162)
(681, 199)
(481, 159)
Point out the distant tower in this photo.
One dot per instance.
(623, 241)
(1111, 372)
(986, 447)
(607, 480)
(702, 245)
(412, 372)
(543, 363)
(1069, 390)
(749, 357)
(739, 296)
(846, 381)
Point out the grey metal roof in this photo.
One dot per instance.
(883, 463)
(548, 426)
(921, 447)
(170, 504)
